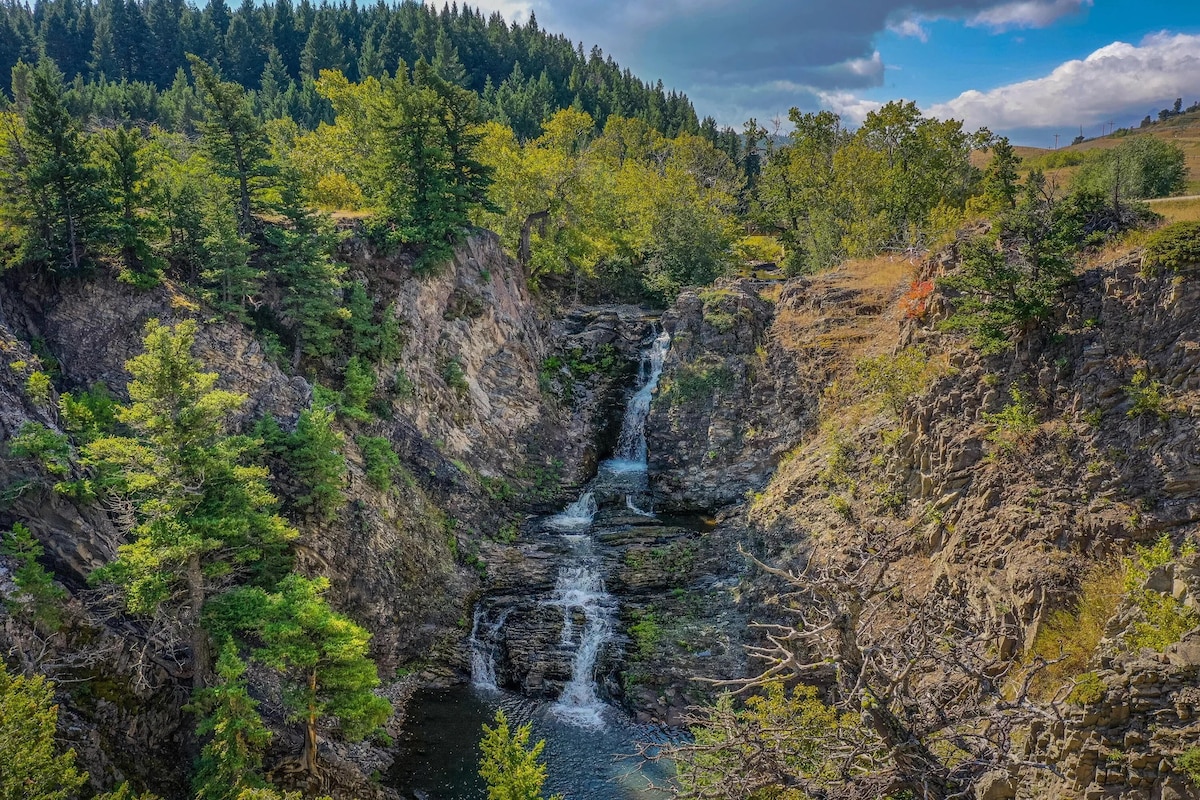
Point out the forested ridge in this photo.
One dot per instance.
(125, 58)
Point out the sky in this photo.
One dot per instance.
(1028, 69)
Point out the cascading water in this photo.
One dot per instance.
(588, 609)
(484, 644)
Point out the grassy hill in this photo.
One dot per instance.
(1063, 163)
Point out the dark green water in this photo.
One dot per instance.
(440, 754)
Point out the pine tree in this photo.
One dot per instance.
(40, 597)
(510, 766)
(233, 137)
(229, 276)
(323, 658)
(121, 150)
(202, 512)
(311, 278)
(324, 48)
(30, 766)
(55, 197)
(231, 760)
(446, 63)
(315, 455)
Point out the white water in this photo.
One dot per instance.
(579, 590)
(485, 641)
(577, 516)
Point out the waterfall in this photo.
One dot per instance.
(577, 516)
(485, 641)
(579, 590)
(588, 610)
(630, 455)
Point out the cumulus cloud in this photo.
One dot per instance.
(1119, 79)
(909, 27)
(1027, 14)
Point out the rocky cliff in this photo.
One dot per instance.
(997, 485)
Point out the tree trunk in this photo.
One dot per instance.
(201, 657)
(540, 217)
(309, 755)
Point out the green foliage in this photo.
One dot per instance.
(379, 460)
(1189, 764)
(40, 597)
(894, 378)
(1089, 689)
(697, 383)
(201, 511)
(1164, 620)
(455, 376)
(831, 193)
(52, 450)
(31, 767)
(90, 415)
(510, 765)
(647, 633)
(358, 387)
(1146, 396)
(322, 656)
(1068, 637)
(775, 740)
(1136, 169)
(1173, 249)
(231, 759)
(1015, 424)
(38, 388)
(314, 453)
(52, 194)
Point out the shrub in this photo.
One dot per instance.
(455, 376)
(1088, 689)
(1164, 619)
(1069, 636)
(41, 598)
(1173, 248)
(379, 460)
(646, 633)
(914, 303)
(894, 378)
(38, 387)
(1147, 396)
(695, 384)
(1189, 764)
(1016, 423)
(90, 415)
(52, 450)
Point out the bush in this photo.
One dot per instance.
(894, 378)
(1015, 425)
(1164, 620)
(1088, 689)
(52, 450)
(695, 384)
(379, 460)
(1147, 396)
(1189, 764)
(1173, 248)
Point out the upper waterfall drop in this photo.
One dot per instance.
(631, 452)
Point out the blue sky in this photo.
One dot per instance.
(1025, 68)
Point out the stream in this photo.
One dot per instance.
(590, 743)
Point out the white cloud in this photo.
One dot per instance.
(1117, 79)
(851, 108)
(910, 27)
(1027, 14)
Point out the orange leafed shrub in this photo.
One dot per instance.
(915, 302)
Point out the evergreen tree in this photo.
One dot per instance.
(31, 767)
(323, 658)
(311, 279)
(446, 64)
(229, 276)
(202, 512)
(510, 766)
(315, 455)
(233, 137)
(121, 149)
(231, 760)
(40, 597)
(324, 48)
(54, 195)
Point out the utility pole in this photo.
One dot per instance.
(1056, 141)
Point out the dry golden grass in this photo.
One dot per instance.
(1178, 210)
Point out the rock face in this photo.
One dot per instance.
(1001, 482)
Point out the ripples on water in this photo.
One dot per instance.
(439, 751)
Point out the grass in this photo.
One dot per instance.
(1069, 636)
(1179, 210)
